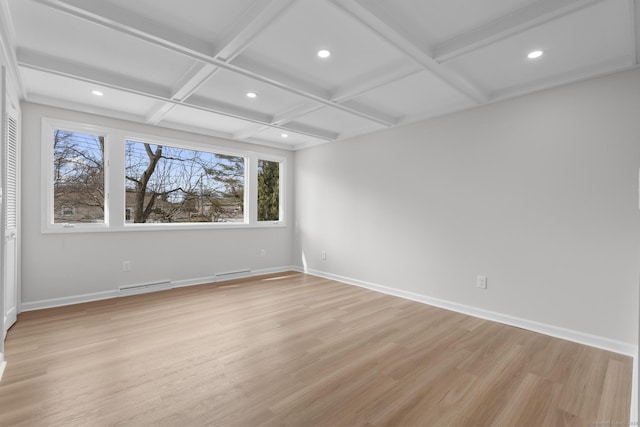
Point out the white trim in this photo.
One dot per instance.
(129, 227)
(47, 129)
(3, 365)
(62, 301)
(97, 296)
(282, 195)
(542, 328)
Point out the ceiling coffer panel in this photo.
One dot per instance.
(233, 88)
(44, 87)
(591, 40)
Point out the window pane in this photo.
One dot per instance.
(174, 185)
(78, 181)
(268, 190)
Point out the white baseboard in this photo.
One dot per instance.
(234, 276)
(76, 299)
(96, 296)
(543, 328)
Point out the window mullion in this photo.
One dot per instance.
(114, 153)
(252, 189)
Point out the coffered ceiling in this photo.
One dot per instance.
(190, 64)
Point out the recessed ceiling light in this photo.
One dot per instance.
(535, 54)
(284, 135)
(251, 94)
(324, 53)
(97, 93)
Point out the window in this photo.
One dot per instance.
(78, 177)
(103, 179)
(167, 184)
(268, 190)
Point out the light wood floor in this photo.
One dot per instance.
(296, 350)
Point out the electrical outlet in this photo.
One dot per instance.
(263, 252)
(324, 255)
(126, 265)
(481, 282)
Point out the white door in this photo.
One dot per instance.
(10, 175)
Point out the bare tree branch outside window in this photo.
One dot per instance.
(167, 184)
(78, 181)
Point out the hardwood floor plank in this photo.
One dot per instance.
(616, 394)
(297, 350)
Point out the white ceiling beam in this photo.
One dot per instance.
(86, 74)
(282, 118)
(360, 106)
(110, 16)
(378, 21)
(84, 108)
(194, 78)
(287, 83)
(250, 25)
(89, 74)
(183, 45)
(229, 109)
(249, 131)
(295, 112)
(274, 77)
(248, 65)
(297, 128)
(310, 131)
(573, 76)
(348, 91)
(538, 13)
(157, 114)
(377, 78)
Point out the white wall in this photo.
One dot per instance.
(67, 265)
(538, 193)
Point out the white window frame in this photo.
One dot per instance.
(48, 221)
(166, 142)
(282, 161)
(114, 170)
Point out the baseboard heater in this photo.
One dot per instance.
(142, 288)
(230, 275)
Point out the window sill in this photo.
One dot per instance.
(160, 227)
